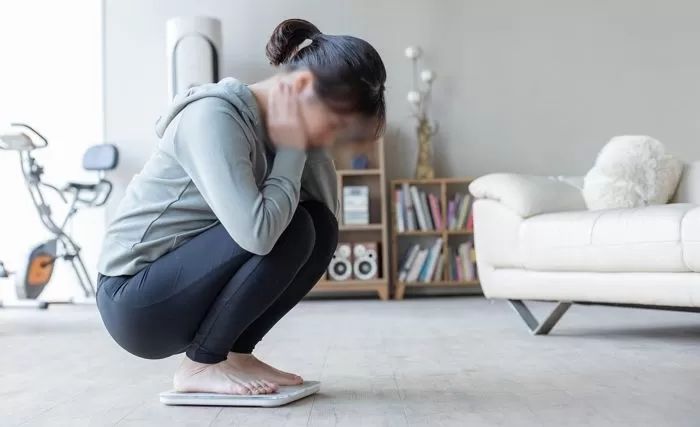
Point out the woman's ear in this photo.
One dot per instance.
(302, 80)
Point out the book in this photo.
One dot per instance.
(450, 214)
(417, 205)
(455, 212)
(440, 267)
(435, 211)
(458, 209)
(465, 250)
(470, 208)
(417, 266)
(398, 204)
(448, 265)
(409, 258)
(426, 211)
(410, 216)
(462, 218)
(424, 267)
(458, 267)
(431, 263)
(453, 266)
(470, 221)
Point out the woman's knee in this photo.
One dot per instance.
(325, 225)
(300, 235)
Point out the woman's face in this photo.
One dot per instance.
(324, 126)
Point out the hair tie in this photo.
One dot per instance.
(302, 45)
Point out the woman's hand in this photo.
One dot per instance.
(284, 123)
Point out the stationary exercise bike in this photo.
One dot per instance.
(32, 277)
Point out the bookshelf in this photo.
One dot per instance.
(444, 190)
(376, 231)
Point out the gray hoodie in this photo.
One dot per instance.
(213, 164)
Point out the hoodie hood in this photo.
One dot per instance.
(228, 89)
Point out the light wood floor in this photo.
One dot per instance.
(441, 362)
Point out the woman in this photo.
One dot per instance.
(232, 220)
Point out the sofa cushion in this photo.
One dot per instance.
(529, 195)
(647, 239)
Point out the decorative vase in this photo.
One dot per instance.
(419, 98)
(424, 166)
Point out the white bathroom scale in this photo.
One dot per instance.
(283, 396)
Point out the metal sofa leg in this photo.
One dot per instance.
(535, 327)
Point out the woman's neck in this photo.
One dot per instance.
(261, 91)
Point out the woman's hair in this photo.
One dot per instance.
(349, 73)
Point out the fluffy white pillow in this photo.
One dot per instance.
(631, 171)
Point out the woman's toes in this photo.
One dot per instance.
(242, 388)
(257, 387)
(263, 387)
(271, 387)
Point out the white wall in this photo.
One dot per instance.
(51, 78)
(536, 86)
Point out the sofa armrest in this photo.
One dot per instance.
(529, 195)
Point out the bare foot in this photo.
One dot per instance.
(221, 377)
(252, 365)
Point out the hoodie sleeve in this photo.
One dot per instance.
(215, 151)
(319, 180)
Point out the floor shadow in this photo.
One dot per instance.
(680, 333)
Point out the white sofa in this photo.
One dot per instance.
(535, 240)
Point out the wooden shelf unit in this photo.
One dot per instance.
(360, 227)
(353, 286)
(376, 231)
(443, 283)
(358, 172)
(442, 185)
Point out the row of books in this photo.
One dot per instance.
(460, 265)
(418, 210)
(423, 264)
(459, 212)
(428, 264)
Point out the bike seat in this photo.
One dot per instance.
(102, 157)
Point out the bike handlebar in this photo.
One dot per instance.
(44, 141)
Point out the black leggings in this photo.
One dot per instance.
(210, 296)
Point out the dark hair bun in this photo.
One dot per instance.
(286, 38)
